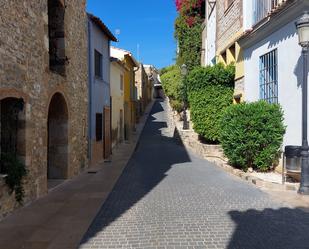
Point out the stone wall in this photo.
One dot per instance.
(190, 139)
(229, 22)
(25, 73)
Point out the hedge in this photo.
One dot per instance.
(210, 92)
(172, 82)
(200, 77)
(207, 107)
(251, 134)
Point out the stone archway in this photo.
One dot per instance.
(57, 138)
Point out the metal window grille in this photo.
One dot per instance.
(269, 77)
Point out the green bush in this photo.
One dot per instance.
(15, 171)
(201, 77)
(207, 107)
(210, 91)
(172, 82)
(251, 134)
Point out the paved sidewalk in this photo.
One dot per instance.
(60, 219)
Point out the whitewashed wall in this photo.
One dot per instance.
(100, 88)
(289, 76)
(211, 38)
(247, 14)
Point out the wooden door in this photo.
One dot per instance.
(107, 132)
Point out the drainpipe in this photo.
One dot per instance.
(90, 90)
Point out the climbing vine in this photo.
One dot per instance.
(15, 171)
(188, 31)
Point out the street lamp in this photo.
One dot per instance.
(302, 26)
(184, 72)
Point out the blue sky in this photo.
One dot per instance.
(147, 23)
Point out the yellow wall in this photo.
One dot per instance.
(129, 89)
(117, 102)
(235, 57)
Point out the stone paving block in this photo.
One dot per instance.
(169, 198)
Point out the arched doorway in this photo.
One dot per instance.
(57, 138)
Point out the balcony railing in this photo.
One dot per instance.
(261, 8)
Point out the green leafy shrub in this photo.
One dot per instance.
(207, 108)
(15, 171)
(210, 91)
(201, 77)
(173, 86)
(251, 134)
(172, 82)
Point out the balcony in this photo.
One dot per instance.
(262, 8)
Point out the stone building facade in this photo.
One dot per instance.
(230, 26)
(43, 71)
(142, 84)
(229, 22)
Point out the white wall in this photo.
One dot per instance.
(247, 14)
(289, 76)
(100, 88)
(211, 37)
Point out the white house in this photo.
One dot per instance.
(272, 58)
(99, 132)
(209, 34)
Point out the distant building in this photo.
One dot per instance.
(142, 84)
(130, 90)
(99, 38)
(155, 86)
(118, 70)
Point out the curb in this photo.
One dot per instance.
(220, 162)
(260, 183)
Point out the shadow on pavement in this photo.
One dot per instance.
(155, 154)
(283, 228)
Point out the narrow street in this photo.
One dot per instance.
(169, 198)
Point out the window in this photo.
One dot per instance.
(269, 77)
(121, 82)
(98, 64)
(57, 58)
(99, 126)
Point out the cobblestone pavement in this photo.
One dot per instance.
(168, 198)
